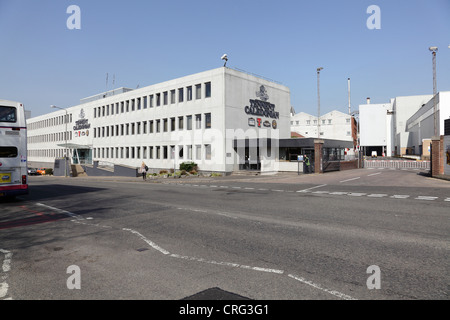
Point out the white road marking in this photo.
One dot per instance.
(339, 193)
(306, 190)
(150, 243)
(400, 196)
(374, 174)
(425, 198)
(6, 267)
(68, 213)
(377, 195)
(356, 194)
(318, 286)
(350, 179)
(448, 199)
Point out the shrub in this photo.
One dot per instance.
(193, 172)
(163, 172)
(49, 171)
(188, 166)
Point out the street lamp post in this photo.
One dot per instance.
(433, 52)
(318, 101)
(65, 138)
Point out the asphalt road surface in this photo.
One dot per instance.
(360, 234)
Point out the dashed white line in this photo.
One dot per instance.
(425, 198)
(377, 195)
(400, 196)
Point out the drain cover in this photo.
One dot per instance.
(215, 294)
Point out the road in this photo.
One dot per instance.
(281, 237)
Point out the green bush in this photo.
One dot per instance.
(49, 171)
(188, 166)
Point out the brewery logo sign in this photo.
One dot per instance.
(82, 125)
(261, 107)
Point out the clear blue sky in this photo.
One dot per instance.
(42, 62)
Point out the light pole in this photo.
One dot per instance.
(433, 52)
(65, 138)
(318, 101)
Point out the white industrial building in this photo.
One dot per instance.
(403, 127)
(222, 119)
(334, 125)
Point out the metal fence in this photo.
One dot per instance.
(397, 164)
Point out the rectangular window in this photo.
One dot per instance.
(189, 93)
(128, 105)
(189, 152)
(144, 99)
(165, 125)
(207, 152)
(208, 90)
(151, 101)
(172, 152)
(180, 123)
(165, 152)
(207, 120)
(158, 152)
(166, 98)
(150, 126)
(8, 114)
(150, 150)
(172, 96)
(8, 152)
(189, 122)
(172, 124)
(198, 91)
(198, 121)
(158, 99)
(198, 152)
(180, 95)
(144, 127)
(158, 126)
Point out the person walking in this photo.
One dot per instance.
(144, 170)
(308, 164)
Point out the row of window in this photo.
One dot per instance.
(46, 153)
(155, 126)
(51, 122)
(163, 98)
(308, 122)
(201, 152)
(50, 137)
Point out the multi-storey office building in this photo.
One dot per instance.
(222, 119)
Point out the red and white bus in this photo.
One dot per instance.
(13, 149)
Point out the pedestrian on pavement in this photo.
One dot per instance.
(308, 164)
(144, 170)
